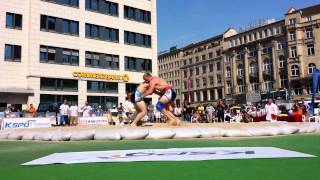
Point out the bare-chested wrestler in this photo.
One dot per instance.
(138, 99)
(167, 95)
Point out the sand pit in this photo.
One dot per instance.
(160, 131)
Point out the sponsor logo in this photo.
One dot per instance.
(124, 77)
(27, 124)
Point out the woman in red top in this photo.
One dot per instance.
(296, 114)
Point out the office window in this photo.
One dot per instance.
(106, 102)
(53, 24)
(12, 53)
(137, 14)
(72, 3)
(53, 84)
(137, 39)
(57, 55)
(311, 68)
(293, 52)
(102, 87)
(295, 70)
(292, 21)
(310, 49)
(102, 6)
(13, 20)
(102, 33)
(138, 64)
(100, 60)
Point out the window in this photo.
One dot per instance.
(269, 85)
(53, 24)
(267, 66)
(218, 53)
(197, 71)
(309, 33)
(211, 67)
(293, 52)
(311, 67)
(210, 55)
(12, 53)
(49, 98)
(229, 87)
(267, 48)
(218, 66)
(100, 60)
(197, 59)
(310, 50)
(309, 18)
(283, 81)
(59, 55)
(102, 87)
(102, 6)
(191, 72)
(52, 84)
(13, 20)
(130, 87)
(190, 61)
(255, 85)
(198, 82)
(211, 80)
(107, 102)
(292, 35)
(102, 33)
(240, 70)
(185, 84)
(282, 62)
(295, 70)
(138, 64)
(228, 72)
(253, 51)
(185, 73)
(280, 45)
(137, 14)
(219, 79)
(203, 57)
(292, 21)
(240, 55)
(73, 3)
(137, 39)
(204, 69)
(254, 68)
(204, 82)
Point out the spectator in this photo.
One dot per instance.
(150, 113)
(86, 110)
(120, 113)
(210, 113)
(7, 112)
(200, 108)
(296, 115)
(32, 110)
(73, 114)
(64, 109)
(196, 117)
(177, 111)
(220, 111)
(158, 115)
(271, 111)
(188, 112)
(99, 111)
(128, 108)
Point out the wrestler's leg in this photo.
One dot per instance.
(171, 118)
(141, 109)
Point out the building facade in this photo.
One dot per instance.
(273, 59)
(78, 50)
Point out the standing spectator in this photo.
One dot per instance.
(86, 110)
(7, 112)
(271, 110)
(120, 113)
(177, 110)
(128, 108)
(210, 113)
(158, 115)
(220, 111)
(32, 110)
(99, 111)
(188, 111)
(64, 109)
(73, 114)
(150, 109)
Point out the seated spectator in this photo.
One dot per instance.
(296, 115)
(196, 117)
(32, 110)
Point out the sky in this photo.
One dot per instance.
(181, 22)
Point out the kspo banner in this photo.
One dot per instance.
(176, 154)
(93, 121)
(17, 123)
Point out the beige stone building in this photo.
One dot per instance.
(273, 59)
(79, 50)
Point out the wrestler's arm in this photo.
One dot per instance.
(150, 90)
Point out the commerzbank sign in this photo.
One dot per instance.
(86, 75)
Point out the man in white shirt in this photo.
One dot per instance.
(73, 114)
(271, 111)
(64, 109)
(210, 111)
(128, 109)
(86, 110)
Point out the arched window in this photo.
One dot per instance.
(254, 68)
(240, 70)
(267, 65)
(295, 70)
(311, 67)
